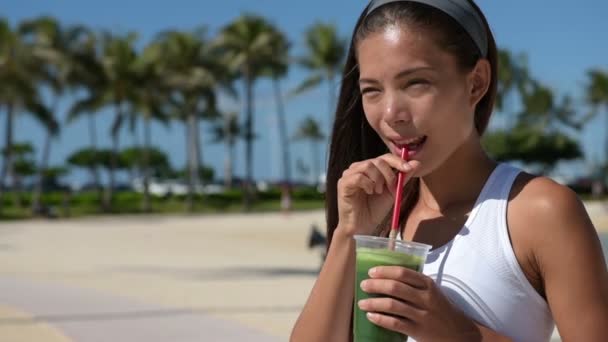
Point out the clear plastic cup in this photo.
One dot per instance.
(371, 252)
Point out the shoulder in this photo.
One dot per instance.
(544, 202)
(555, 241)
(545, 218)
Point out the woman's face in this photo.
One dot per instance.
(415, 95)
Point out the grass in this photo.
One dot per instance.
(87, 204)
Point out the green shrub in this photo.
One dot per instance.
(85, 199)
(308, 193)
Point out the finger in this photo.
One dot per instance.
(400, 325)
(387, 172)
(372, 172)
(356, 182)
(390, 306)
(402, 274)
(394, 289)
(399, 164)
(350, 169)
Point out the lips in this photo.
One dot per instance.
(411, 143)
(414, 145)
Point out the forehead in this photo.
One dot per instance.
(395, 48)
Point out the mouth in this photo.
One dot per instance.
(413, 145)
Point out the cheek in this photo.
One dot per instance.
(373, 116)
(452, 115)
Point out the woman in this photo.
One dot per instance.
(513, 254)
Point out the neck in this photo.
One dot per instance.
(459, 180)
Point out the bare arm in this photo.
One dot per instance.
(569, 257)
(365, 194)
(326, 315)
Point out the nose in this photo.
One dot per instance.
(396, 110)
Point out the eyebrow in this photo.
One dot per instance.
(401, 74)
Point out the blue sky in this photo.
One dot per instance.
(562, 40)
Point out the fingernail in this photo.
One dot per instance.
(364, 285)
(372, 316)
(372, 272)
(361, 303)
(407, 167)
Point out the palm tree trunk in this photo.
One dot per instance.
(192, 167)
(249, 141)
(282, 127)
(145, 163)
(113, 161)
(44, 162)
(198, 156)
(8, 143)
(138, 172)
(135, 133)
(315, 162)
(15, 184)
(189, 180)
(332, 104)
(109, 195)
(18, 191)
(228, 165)
(230, 152)
(95, 169)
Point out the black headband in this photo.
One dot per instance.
(459, 10)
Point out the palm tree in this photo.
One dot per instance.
(228, 131)
(247, 46)
(310, 130)
(88, 74)
(118, 61)
(109, 78)
(51, 45)
(23, 167)
(513, 78)
(150, 101)
(277, 69)
(325, 58)
(536, 138)
(544, 109)
(192, 73)
(597, 97)
(19, 70)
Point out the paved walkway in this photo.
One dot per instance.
(208, 278)
(73, 314)
(158, 278)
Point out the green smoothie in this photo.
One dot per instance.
(367, 258)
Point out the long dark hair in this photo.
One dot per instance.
(353, 139)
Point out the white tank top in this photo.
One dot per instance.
(479, 273)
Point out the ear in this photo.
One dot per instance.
(479, 81)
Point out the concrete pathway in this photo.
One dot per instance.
(73, 314)
(160, 278)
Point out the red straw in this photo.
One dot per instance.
(398, 196)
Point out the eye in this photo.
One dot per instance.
(417, 86)
(417, 82)
(369, 91)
